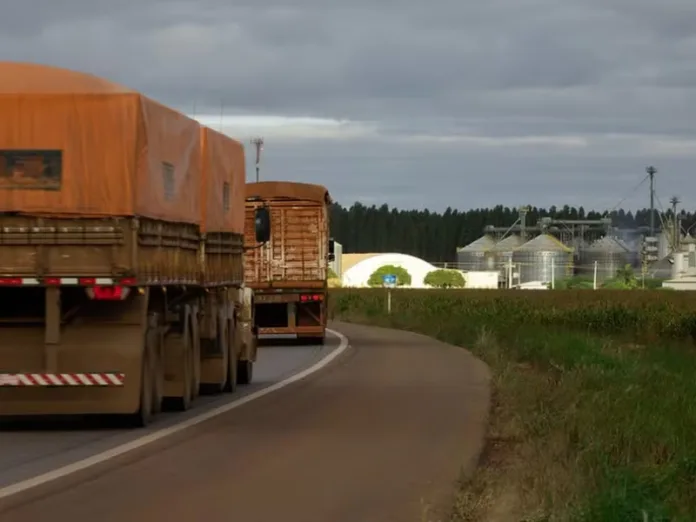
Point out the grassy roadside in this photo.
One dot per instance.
(586, 427)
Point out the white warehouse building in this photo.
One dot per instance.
(359, 273)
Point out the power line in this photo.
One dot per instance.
(633, 191)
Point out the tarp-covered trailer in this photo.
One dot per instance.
(120, 249)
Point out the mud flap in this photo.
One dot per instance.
(92, 366)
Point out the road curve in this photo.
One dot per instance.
(31, 448)
(376, 436)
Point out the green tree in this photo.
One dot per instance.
(445, 278)
(331, 274)
(625, 279)
(403, 278)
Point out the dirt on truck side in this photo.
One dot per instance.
(121, 246)
(289, 273)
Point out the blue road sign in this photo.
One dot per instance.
(389, 280)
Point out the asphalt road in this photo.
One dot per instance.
(30, 448)
(377, 436)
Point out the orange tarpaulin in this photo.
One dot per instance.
(74, 144)
(288, 190)
(223, 171)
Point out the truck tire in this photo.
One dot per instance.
(195, 346)
(183, 403)
(245, 372)
(232, 340)
(143, 417)
(154, 342)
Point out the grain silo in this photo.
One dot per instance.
(542, 259)
(473, 256)
(610, 254)
(501, 254)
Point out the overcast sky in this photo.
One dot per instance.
(416, 104)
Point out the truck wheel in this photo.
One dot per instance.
(245, 372)
(183, 403)
(195, 346)
(154, 342)
(145, 413)
(232, 340)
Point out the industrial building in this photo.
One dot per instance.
(605, 256)
(532, 255)
(554, 249)
(337, 264)
(475, 255)
(543, 259)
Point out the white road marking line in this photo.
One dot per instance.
(80, 465)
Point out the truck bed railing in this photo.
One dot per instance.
(69, 235)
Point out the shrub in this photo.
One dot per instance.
(445, 278)
(403, 278)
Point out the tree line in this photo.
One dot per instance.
(435, 236)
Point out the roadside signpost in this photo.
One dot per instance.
(389, 282)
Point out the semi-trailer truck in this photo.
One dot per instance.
(289, 273)
(121, 251)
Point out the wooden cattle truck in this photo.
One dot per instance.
(289, 273)
(121, 280)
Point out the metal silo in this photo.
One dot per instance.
(610, 253)
(473, 256)
(501, 254)
(542, 259)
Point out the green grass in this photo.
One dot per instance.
(587, 427)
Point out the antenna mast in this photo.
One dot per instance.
(258, 142)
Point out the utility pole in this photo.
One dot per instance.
(651, 172)
(258, 142)
(676, 232)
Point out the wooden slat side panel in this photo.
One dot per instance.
(298, 246)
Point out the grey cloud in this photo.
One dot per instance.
(500, 68)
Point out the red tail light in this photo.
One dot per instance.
(311, 298)
(108, 293)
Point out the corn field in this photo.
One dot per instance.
(637, 313)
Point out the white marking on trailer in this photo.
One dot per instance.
(24, 379)
(70, 379)
(115, 379)
(30, 281)
(84, 379)
(55, 379)
(100, 380)
(112, 453)
(69, 281)
(9, 380)
(104, 281)
(39, 379)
